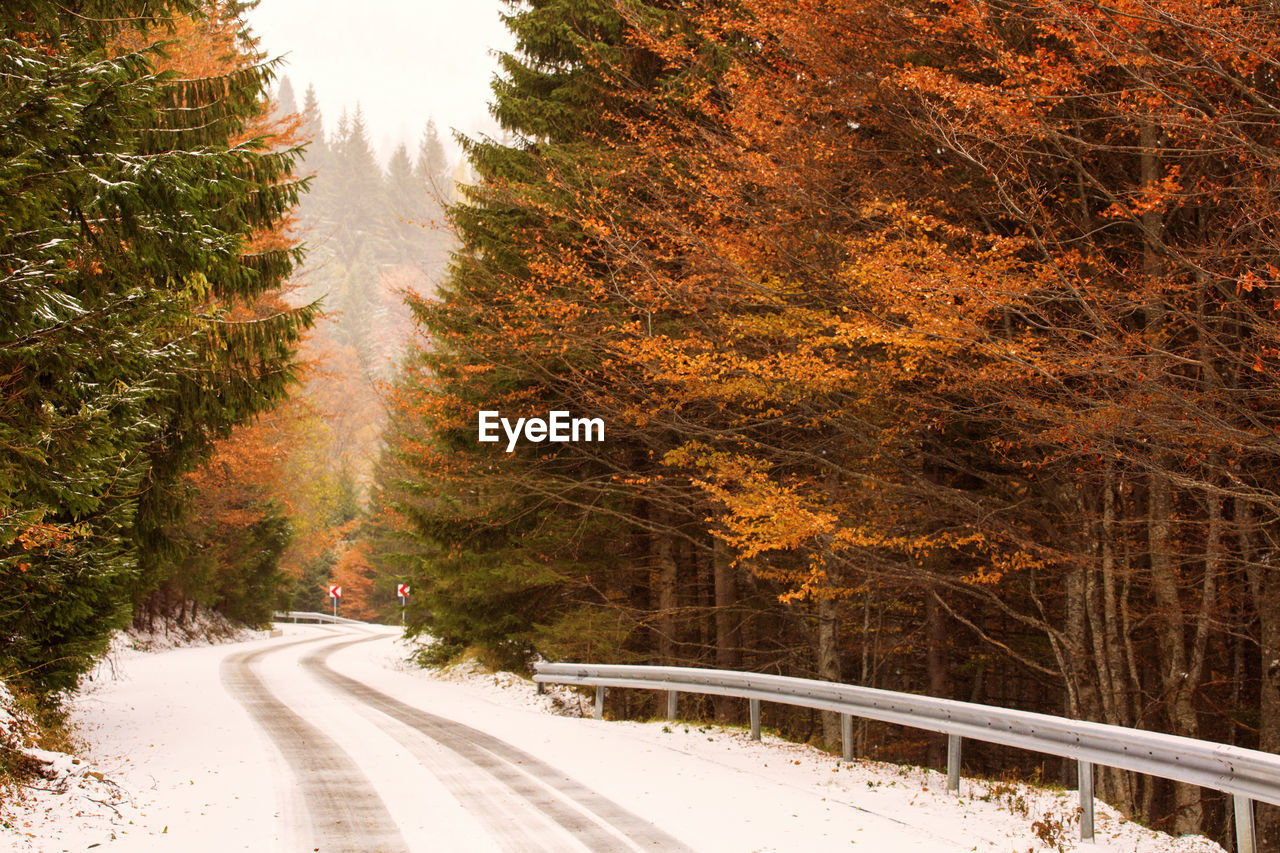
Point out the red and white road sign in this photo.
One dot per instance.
(403, 590)
(335, 592)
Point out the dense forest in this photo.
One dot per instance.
(146, 199)
(373, 234)
(191, 411)
(936, 343)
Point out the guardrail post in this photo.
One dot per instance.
(1244, 773)
(673, 697)
(1245, 840)
(846, 736)
(953, 762)
(542, 688)
(1084, 772)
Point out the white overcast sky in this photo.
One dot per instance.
(403, 61)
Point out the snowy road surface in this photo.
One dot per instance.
(521, 803)
(323, 740)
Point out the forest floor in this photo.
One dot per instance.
(214, 748)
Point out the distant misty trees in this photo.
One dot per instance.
(375, 232)
(371, 231)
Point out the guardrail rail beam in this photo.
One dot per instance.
(1249, 775)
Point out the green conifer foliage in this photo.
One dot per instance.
(511, 547)
(355, 193)
(125, 219)
(405, 207)
(431, 168)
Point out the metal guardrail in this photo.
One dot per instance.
(308, 616)
(1247, 774)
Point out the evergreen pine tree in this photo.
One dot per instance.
(356, 212)
(406, 204)
(126, 217)
(431, 167)
(243, 359)
(314, 163)
(286, 102)
(536, 545)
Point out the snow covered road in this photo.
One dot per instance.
(346, 813)
(590, 819)
(322, 739)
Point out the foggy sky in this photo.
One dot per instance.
(402, 60)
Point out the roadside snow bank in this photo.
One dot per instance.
(504, 687)
(991, 815)
(68, 803)
(208, 627)
(53, 797)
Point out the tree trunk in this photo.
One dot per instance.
(1178, 682)
(1268, 817)
(1115, 785)
(728, 634)
(666, 578)
(1177, 678)
(828, 663)
(935, 661)
(663, 580)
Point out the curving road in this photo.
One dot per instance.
(522, 802)
(323, 740)
(346, 814)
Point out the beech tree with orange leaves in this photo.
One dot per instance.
(1021, 216)
(935, 342)
(1130, 147)
(1065, 259)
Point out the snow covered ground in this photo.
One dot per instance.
(207, 628)
(178, 759)
(989, 815)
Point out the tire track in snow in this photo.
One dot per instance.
(597, 822)
(347, 815)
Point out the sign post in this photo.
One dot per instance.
(335, 592)
(403, 592)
